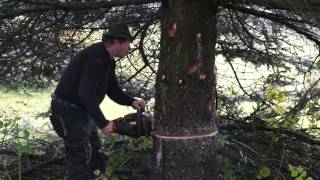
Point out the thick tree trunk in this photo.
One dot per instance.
(186, 131)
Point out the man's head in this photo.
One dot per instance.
(118, 40)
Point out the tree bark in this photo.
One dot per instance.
(186, 131)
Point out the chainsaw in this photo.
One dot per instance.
(134, 125)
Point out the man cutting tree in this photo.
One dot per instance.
(75, 102)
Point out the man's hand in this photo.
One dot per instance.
(138, 105)
(109, 128)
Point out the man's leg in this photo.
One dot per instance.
(78, 155)
(81, 140)
(78, 147)
(97, 160)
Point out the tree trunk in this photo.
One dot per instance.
(186, 132)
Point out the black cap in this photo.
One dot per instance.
(118, 31)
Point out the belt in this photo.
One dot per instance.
(63, 102)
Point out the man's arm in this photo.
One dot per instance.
(87, 91)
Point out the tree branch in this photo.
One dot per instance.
(88, 5)
(275, 18)
(290, 133)
(309, 6)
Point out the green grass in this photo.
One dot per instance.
(25, 103)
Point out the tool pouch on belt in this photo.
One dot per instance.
(58, 125)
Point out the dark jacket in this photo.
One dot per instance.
(89, 76)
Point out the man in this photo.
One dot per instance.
(75, 101)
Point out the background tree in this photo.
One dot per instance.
(263, 63)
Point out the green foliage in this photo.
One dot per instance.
(264, 172)
(117, 162)
(277, 97)
(23, 147)
(222, 141)
(290, 121)
(298, 173)
(132, 154)
(23, 143)
(146, 143)
(111, 142)
(225, 168)
(318, 64)
(246, 166)
(273, 94)
(7, 126)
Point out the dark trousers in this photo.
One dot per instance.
(81, 141)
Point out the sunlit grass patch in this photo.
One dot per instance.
(26, 103)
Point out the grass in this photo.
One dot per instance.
(27, 101)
